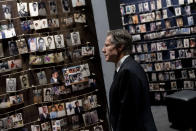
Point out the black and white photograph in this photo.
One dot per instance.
(187, 9)
(4, 66)
(7, 11)
(37, 24)
(93, 101)
(68, 21)
(87, 50)
(22, 9)
(33, 8)
(35, 128)
(188, 84)
(10, 84)
(77, 3)
(164, 13)
(48, 94)
(42, 78)
(59, 40)
(178, 11)
(1, 50)
(172, 75)
(79, 18)
(24, 80)
(37, 96)
(65, 6)
(49, 42)
(22, 46)
(75, 38)
(98, 128)
(42, 9)
(190, 1)
(13, 50)
(41, 44)
(172, 55)
(173, 85)
(15, 64)
(43, 23)
(53, 7)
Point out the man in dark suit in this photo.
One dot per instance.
(129, 92)
(78, 111)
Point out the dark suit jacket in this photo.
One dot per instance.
(129, 99)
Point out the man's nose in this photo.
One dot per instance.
(103, 50)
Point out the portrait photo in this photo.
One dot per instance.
(43, 113)
(53, 111)
(79, 18)
(77, 3)
(60, 110)
(46, 126)
(59, 40)
(87, 50)
(37, 96)
(65, 6)
(53, 7)
(98, 128)
(42, 9)
(22, 46)
(49, 42)
(24, 80)
(70, 108)
(7, 11)
(43, 23)
(35, 128)
(10, 84)
(33, 8)
(13, 50)
(37, 24)
(42, 78)
(48, 94)
(22, 9)
(75, 38)
(41, 44)
(25, 25)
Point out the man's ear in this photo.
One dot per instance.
(120, 48)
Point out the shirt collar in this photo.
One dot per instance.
(118, 65)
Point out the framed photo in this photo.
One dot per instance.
(172, 75)
(191, 74)
(158, 15)
(48, 94)
(167, 24)
(35, 128)
(58, 57)
(87, 50)
(37, 96)
(37, 24)
(186, 43)
(13, 50)
(179, 22)
(61, 110)
(69, 21)
(46, 126)
(146, 6)
(173, 85)
(152, 26)
(75, 38)
(168, 3)
(43, 23)
(4, 66)
(181, 2)
(10, 84)
(49, 58)
(33, 8)
(190, 20)
(152, 5)
(159, 4)
(1, 50)
(140, 7)
(70, 108)
(42, 78)
(35, 60)
(53, 7)
(65, 6)
(24, 80)
(22, 9)
(172, 55)
(53, 111)
(79, 18)
(184, 74)
(135, 19)
(17, 120)
(187, 10)
(7, 11)
(159, 56)
(49, 42)
(17, 99)
(42, 9)
(190, 1)
(192, 42)
(22, 46)
(59, 40)
(77, 3)
(15, 64)
(41, 44)
(178, 11)
(164, 12)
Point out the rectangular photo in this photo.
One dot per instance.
(17, 99)
(37, 24)
(43, 113)
(42, 78)
(77, 3)
(79, 18)
(13, 50)
(10, 84)
(37, 96)
(43, 23)
(87, 50)
(36, 60)
(22, 9)
(42, 11)
(15, 64)
(49, 42)
(59, 40)
(48, 94)
(7, 11)
(49, 58)
(1, 50)
(32, 42)
(41, 44)
(24, 80)
(65, 6)
(53, 7)
(75, 38)
(33, 8)
(22, 46)
(46, 126)
(35, 128)
(70, 108)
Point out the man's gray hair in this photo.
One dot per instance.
(121, 37)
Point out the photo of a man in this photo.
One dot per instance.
(43, 113)
(53, 7)
(54, 78)
(49, 41)
(33, 7)
(42, 9)
(41, 44)
(13, 50)
(75, 38)
(59, 40)
(22, 9)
